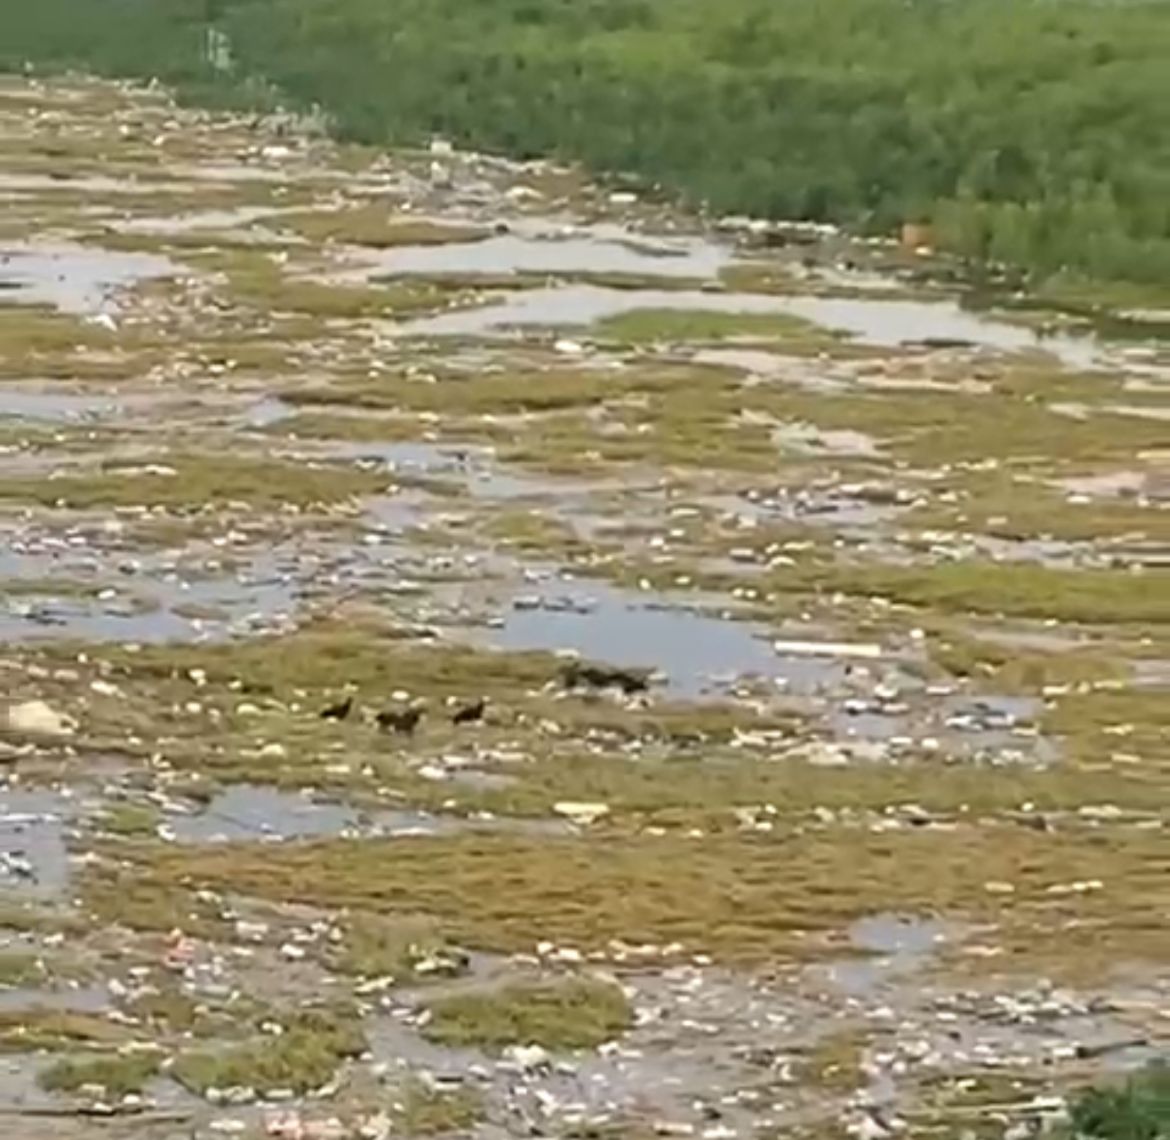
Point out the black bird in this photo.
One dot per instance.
(338, 711)
(402, 721)
(630, 681)
(470, 713)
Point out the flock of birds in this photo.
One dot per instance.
(575, 675)
(404, 721)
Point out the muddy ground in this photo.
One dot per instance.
(851, 817)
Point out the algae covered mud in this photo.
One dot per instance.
(485, 655)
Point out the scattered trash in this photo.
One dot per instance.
(582, 813)
(37, 719)
(861, 650)
(661, 565)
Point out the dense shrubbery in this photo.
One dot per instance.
(1139, 1109)
(1030, 131)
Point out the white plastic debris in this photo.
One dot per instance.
(852, 649)
(583, 813)
(37, 719)
(526, 1057)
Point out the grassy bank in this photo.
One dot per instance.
(1027, 132)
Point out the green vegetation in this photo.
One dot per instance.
(376, 947)
(117, 1074)
(1022, 590)
(39, 1027)
(131, 819)
(20, 968)
(422, 1110)
(302, 1058)
(1113, 722)
(257, 280)
(197, 482)
(709, 417)
(698, 325)
(745, 900)
(1011, 669)
(1029, 133)
(577, 1013)
(32, 919)
(834, 1063)
(376, 226)
(1138, 1109)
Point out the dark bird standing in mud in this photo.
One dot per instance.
(338, 711)
(401, 721)
(630, 681)
(470, 713)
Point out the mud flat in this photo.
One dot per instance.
(485, 658)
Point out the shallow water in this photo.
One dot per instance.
(601, 249)
(900, 944)
(33, 854)
(992, 728)
(157, 611)
(90, 183)
(574, 305)
(472, 465)
(874, 321)
(76, 998)
(695, 651)
(266, 411)
(52, 405)
(199, 220)
(74, 279)
(258, 811)
(255, 811)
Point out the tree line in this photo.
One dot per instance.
(1027, 132)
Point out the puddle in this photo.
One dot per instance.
(33, 854)
(163, 611)
(871, 321)
(75, 998)
(403, 457)
(1153, 673)
(90, 184)
(579, 305)
(112, 590)
(472, 465)
(899, 946)
(62, 406)
(74, 279)
(807, 439)
(890, 323)
(825, 376)
(994, 728)
(847, 505)
(246, 812)
(267, 411)
(1151, 485)
(596, 249)
(19, 1088)
(902, 939)
(255, 811)
(694, 650)
(234, 219)
(230, 172)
